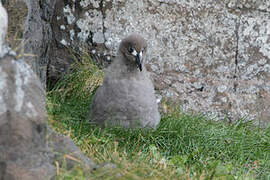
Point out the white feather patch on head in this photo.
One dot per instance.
(134, 52)
(140, 54)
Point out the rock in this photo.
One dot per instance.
(76, 34)
(253, 66)
(38, 35)
(27, 150)
(203, 54)
(63, 150)
(24, 151)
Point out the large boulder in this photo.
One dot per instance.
(28, 149)
(22, 118)
(38, 35)
(63, 150)
(25, 151)
(210, 56)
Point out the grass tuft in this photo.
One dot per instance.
(184, 146)
(17, 14)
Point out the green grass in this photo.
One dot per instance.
(183, 147)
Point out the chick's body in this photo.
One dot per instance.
(126, 97)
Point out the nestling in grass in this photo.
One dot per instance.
(183, 147)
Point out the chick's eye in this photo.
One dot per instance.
(144, 50)
(130, 49)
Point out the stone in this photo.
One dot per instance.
(24, 150)
(253, 66)
(63, 150)
(203, 55)
(27, 150)
(38, 36)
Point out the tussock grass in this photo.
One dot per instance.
(17, 13)
(183, 147)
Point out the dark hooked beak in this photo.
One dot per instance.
(139, 61)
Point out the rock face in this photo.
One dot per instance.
(126, 97)
(22, 118)
(38, 35)
(211, 56)
(22, 123)
(62, 149)
(27, 150)
(24, 150)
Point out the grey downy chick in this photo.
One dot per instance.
(126, 97)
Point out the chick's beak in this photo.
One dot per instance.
(139, 60)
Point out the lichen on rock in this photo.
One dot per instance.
(208, 55)
(24, 152)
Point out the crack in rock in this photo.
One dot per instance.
(101, 5)
(237, 25)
